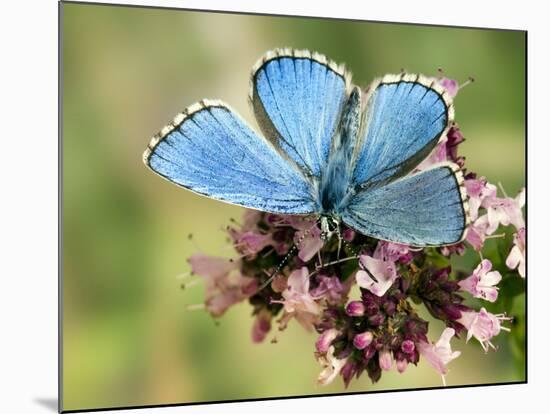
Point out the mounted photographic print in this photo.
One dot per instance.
(260, 206)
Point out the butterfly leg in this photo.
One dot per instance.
(319, 258)
(293, 250)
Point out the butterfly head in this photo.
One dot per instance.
(329, 226)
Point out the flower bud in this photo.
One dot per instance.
(452, 312)
(355, 308)
(401, 365)
(376, 320)
(369, 352)
(406, 258)
(442, 275)
(395, 341)
(405, 284)
(250, 288)
(408, 346)
(325, 340)
(389, 307)
(282, 248)
(342, 352)
(279, 283)
(385, 360)
(261, 327)
(362, 340)
(450, 286)
(348, 234)
(414, 357)
(348, 371)
(371, 308)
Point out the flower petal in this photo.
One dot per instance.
(384, 272)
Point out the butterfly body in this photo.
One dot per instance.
(336, 185)
(327, 149)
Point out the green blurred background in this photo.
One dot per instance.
(127, 337)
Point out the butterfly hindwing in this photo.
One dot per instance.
(404, 118)
(297, 97)
(428, 208)
(208, 149)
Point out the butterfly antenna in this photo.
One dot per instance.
(353, 249)
(283, 262)
(368, 272)
(290, 254)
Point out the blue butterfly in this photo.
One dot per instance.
(324, 152)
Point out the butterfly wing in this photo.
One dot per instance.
(428, 208)
(208, 149)
(404, 118)
(297, 97)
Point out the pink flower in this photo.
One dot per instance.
(479, 192)
(325, 340)
(477, 232)
(392, 252)
(481, 284)
(362, 340)
(454, 139)
(458, 249)
(261, 326)
(439, 354)
(249, 243)
(309, 242)
(450, 85)
(250, 220)
(438, 155)
(224, 284)
(279, 283)
(483, 326)
(506, 211)
(384, 272)
(446, 149)
(385, 360)
(212, 268)
(330, 289)
(516, 258)
(298, 302)
(307, 237)
(331, 366)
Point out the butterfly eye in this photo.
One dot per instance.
(332, 224)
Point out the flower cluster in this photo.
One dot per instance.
(361, 295)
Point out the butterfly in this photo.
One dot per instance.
(328, 148)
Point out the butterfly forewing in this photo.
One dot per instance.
(297, 97)
(404, 119)
(208, 149)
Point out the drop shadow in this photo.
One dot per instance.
(49, 403)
